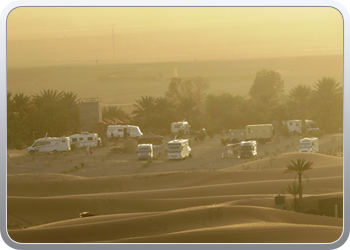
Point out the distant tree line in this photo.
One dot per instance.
(266, 102)
(57, 113)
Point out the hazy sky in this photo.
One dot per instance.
(127, 34)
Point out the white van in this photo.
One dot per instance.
(261, 133)
(178, 149)
(295, 126)
(145, 151)
(180, 126)
(50, 144)
(85, 139)
(123, 131)
(236, 135)
(248, 149)
(309, 145)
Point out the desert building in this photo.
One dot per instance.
(90, 114)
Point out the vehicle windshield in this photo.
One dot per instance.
(174, 147)
(246, 148)
(144, 150)
(305, 145)
(311, 125)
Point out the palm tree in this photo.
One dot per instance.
(144, 112)
(56, 112)
(21, 105)
(300, 101)
(70, 104)
(328, 103)
(299, 167)
(144, 106)
(294, 191)
(114, 112)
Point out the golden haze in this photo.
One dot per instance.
(147, 34)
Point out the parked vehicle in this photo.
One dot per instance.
(178, 149)
(123, 131)
(236, 135)
(145, 151)
(261, 133)
(309, 145)
(295, 126)
(248, 149)
(85, 139)
(180, 126)
(50, 144)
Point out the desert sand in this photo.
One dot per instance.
(204, 199)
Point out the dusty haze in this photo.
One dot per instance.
(121, 54)
(51, 35)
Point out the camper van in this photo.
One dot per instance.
(50, 144)
(236, 135)
(85, 139)
(145, 151)
(123, 131)
(295, 126)
(180, 126)
(261, 133)
(178, 149)
(248, 149)
(309, 145)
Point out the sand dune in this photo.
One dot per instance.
(198, 220)
(234, 204)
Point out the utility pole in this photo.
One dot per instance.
(113, 42)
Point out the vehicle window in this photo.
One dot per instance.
(42, 143)
(63, 140)
(81, 138)
(74, 139)
(90, 138)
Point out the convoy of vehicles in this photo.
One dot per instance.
(123, 131)
(145, 151)
(309, 145)
(178, 149)
(85, 139)
(50, 144)
(261, 133)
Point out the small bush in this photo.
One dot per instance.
(224, 141)
(147, 163)
(201, 136)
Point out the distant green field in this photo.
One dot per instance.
(122, 84)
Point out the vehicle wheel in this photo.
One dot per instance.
(55, 151)
(31, 152)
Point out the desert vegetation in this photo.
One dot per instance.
(56, 112)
